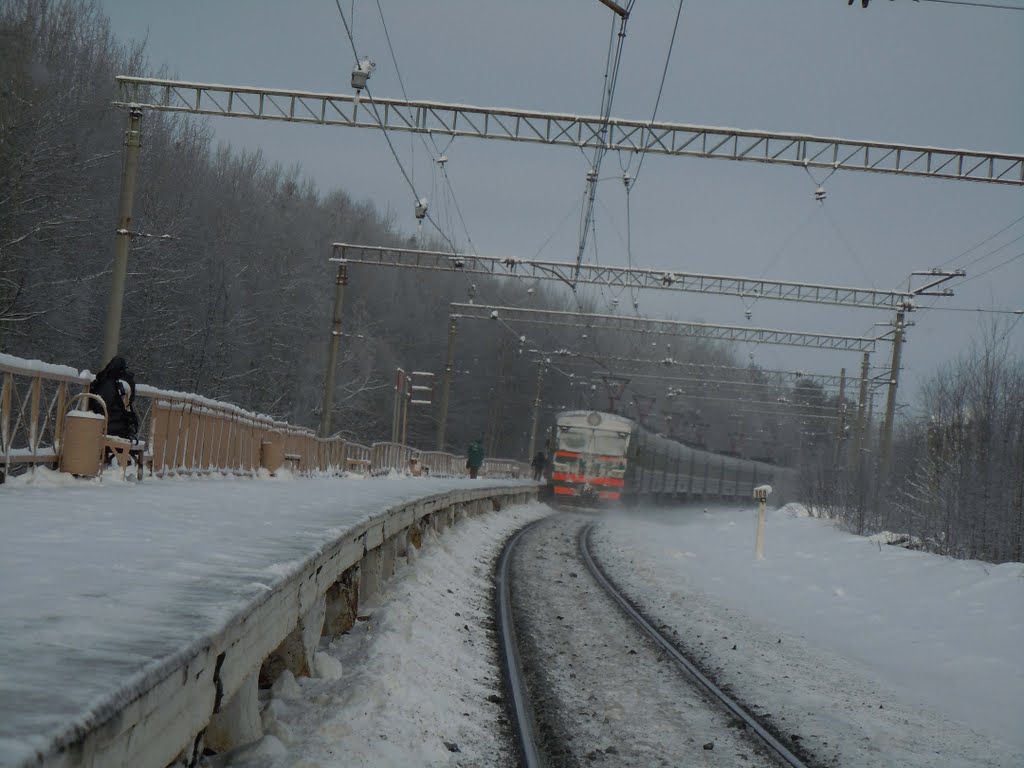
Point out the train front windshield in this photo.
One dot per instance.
(593, 441)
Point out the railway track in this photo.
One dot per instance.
(525, 719)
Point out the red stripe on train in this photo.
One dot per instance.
(565, 477)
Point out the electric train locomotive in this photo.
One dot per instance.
(604, 458)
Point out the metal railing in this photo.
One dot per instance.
(189, 434)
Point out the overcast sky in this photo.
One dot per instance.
(923, 73)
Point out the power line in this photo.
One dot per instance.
(983, 242)
(387, 138)
(978, 309)
(661, 86)
(438, 153)
(612, 64)
(976, 4)
(994, 251)
(993, 269)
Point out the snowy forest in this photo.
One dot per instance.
(230, 288)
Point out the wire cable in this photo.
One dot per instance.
(607, 99)
(661, 85)
(976, 4)
(387, 138)
(983, 242)
(993, 269)
(438, 153)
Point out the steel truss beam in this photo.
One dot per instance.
(718, 384)
(663, 327)
(671, 365)
(678, 139)
(624, 277)
(782, 409)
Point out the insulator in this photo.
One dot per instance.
(361, 73)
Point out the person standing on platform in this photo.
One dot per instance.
(475, 457)
(538, 465)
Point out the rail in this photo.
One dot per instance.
(187, 434)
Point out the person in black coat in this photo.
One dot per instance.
(538, 463)
(115, 384)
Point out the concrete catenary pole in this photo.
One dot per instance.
(406, 398)
(122, 238)
(841, 421)
(449, 368)
(890, 401)
(536, 410)
(857, 445)
(332, 350)
(396, 406)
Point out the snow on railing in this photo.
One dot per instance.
(186, 433)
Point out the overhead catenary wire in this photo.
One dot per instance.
(932, 305)
(438, 152)
(993, 269)
(975, 4)
(661, 85)
(987, 240)
(384, 131)
(612, 64)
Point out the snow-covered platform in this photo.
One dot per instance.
(122, 599)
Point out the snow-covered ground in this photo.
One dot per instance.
(884, 646)
(101, 580)
(417, 682)
(853, 648)
(911, 658)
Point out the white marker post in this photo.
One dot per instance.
(761, 494)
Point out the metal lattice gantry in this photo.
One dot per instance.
(704, 383)
(786, 409)
(647, 136)
(663, 327)
(630, 277)
(673, 366)
(458, 311)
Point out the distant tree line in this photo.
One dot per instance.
(957, 480)
(229, 288)
(234, 304)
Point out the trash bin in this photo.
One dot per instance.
(272, 453)
(81, 449)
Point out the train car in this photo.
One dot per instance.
(602, 457)
(588, 460)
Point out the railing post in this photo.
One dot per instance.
(58, 418)
(37, 383)
(5, 419)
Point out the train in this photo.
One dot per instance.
(603, 458)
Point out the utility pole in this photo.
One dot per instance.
(498, 410)
(536, 408)
(406, 397)
(449, 368)
(115, 302)
(841, 424)
(397, 407)
(890, 402)
(419, 393)
(862, 404)
(327, 404)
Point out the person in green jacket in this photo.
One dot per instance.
(475, 457)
